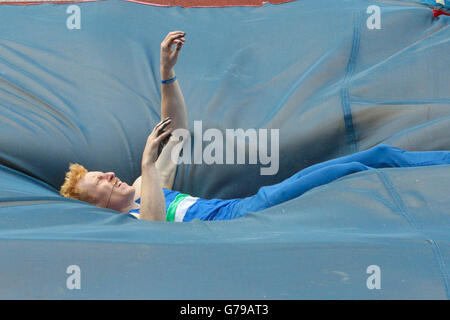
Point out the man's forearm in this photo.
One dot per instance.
(172, 100)
(153, 206)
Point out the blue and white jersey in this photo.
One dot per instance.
(182, 207)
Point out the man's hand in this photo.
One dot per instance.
(152, 196)
(169, 57)
(154, 140)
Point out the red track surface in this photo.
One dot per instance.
(209, 3)
(168, 3)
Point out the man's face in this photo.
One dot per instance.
(104, 186)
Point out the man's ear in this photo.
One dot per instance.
(84, 196)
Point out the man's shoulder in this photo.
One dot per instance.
(137, 187)
(137, 182)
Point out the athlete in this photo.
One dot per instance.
(151, 198)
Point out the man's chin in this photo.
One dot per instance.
(132, 190)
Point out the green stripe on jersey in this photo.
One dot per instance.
(170, 216)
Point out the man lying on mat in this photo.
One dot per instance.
(151, 198)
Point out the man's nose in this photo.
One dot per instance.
(110, 175)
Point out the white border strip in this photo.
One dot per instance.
(183, 207)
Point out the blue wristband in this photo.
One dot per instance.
(170, 80)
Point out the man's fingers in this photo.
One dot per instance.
(167, 43)
(175, 32)
(162, 124)
(175, 39)
(165, 120)
(163, 135)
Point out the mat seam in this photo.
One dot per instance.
(389, 186)
(345, 100)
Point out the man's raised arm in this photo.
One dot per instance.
(172, 105)
(158, 170)
(172, 100)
